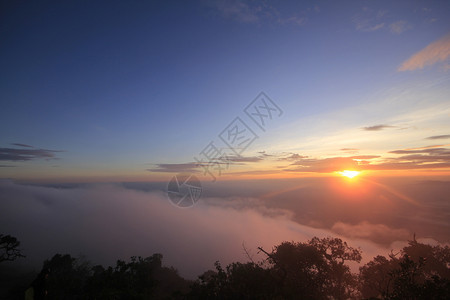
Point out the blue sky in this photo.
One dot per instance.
(118, 87)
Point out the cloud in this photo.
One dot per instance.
(376, 127)
(410, 159)
(176, 168)
(255, 12)
(438, 51)
(255, 172)
(407, 166)
(427, 147)
(108, 222)
(349, 149)
(420, 158)
(193, 167)
(245, 159)
(364, 25)
(325, 165)
(11, 154)
(438, 137)
(364, 156)
(378, 233)
(428, 150)
(22, 145)
(431, 157)
(397, 203)
(399, 27)
(293, 20)
(238, 10)
(369, 20)
(265, 155)
(293, 156)
(375, 27)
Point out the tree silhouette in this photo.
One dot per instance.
(316, 269)
(237, 281)
(311, 270)
(9, 248)
(418, 271)
(65, 277)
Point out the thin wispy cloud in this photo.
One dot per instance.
(12, 154)
(369, 20)
(427, 147)
(293, 20)
(399, 27)
(176, 168)
(239, 11)
(364, 25)
(365, 156)
(410, 159)
(194, 167)
(408, 165)
(293, 156)
(376, 127)
(244, 159)
(438, 51)
(325, 165)
(263, 153)
(438, 137)
(421, 150)
(22, 145)
(242, 11)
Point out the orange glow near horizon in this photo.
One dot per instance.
(349, 173)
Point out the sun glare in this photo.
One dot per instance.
(349, 174)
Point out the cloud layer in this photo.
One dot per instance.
(435, 52)
(109, 222)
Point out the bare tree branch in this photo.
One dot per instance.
(247, 253)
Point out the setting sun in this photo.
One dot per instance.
(349, 174)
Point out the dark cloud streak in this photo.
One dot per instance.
(441, 151)
(438, 137)
(22, 145)
(193, 167)
(11, 154)
(176, 168)
(377, 127)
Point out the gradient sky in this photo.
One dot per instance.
(133, 90)
(103, 102)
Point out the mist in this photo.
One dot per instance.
(106, 222)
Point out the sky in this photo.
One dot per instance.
(264, 101)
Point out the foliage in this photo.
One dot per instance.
(65, 277)
(237, 281)
(311, 270)
(316, 269)
(419, 271)
(9, 248)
